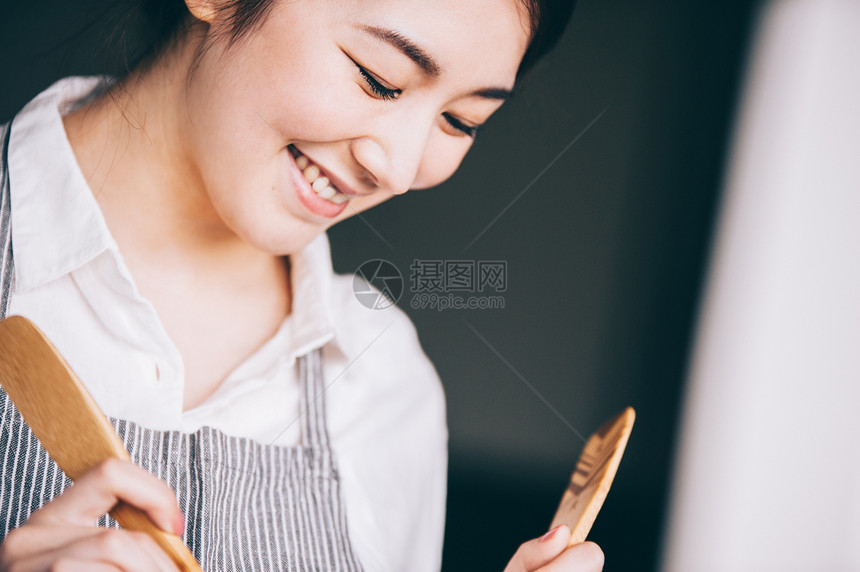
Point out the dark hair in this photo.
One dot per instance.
(548, 19)
(165, 21)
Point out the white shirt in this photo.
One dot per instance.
(385, 406)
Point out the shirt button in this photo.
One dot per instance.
(157, 373)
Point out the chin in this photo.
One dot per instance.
(283, 240)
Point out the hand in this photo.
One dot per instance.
(62, 535)
(549, 553)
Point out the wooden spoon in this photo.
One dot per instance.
(66, 420)
(593, 476)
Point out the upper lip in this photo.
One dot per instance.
(339, 183)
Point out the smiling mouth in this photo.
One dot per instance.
(320, 184)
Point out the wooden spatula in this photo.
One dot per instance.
(593, 476)
(67, 421)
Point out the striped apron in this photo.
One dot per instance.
(247, 506)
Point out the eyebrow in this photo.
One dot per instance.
(409, 48)
(494, 93)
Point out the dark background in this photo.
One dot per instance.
(605, 255)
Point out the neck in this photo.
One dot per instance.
(130, 146)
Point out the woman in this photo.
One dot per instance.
(168, 236)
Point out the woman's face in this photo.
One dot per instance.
(380, 96)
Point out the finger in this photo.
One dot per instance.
(99, 490)
(535, 553)
(119, 549)
(31, 540)
(585, 557)
(70, 565)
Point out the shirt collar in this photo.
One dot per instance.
(311, 279)
(56, 223)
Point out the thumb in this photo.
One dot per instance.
(535, 553)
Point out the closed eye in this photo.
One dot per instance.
(470, 130)
(389, 94)
(376, 86)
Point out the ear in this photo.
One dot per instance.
(204, 10)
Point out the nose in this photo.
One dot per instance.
(392, 154)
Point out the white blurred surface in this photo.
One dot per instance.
(768, 465)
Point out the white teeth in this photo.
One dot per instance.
(311, 173)
(327, 192)
(320, 183)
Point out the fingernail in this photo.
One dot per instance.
(179, 524)
(549, 534)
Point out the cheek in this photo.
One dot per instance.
(292, 83)
(309, 104)
(441, 160)
(306, 85)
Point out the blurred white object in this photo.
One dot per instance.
(768, 465)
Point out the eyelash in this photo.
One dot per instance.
(388, 94)
(376, 87)
(469, 130)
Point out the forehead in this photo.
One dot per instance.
(478, 39)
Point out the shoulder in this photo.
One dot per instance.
(381, 343)
(378, 361)
(388, 416)
(351, 299)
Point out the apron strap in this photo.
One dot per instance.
(314, 431)
(7, 273)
